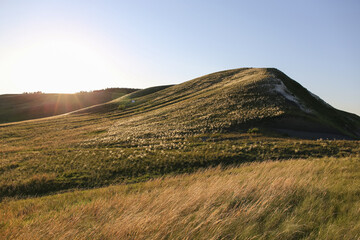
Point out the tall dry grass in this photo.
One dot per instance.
(313, 199)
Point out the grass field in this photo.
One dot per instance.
(293, 199)
(47, 161)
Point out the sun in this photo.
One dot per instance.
(61, 64)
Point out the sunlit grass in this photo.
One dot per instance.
(18, 107)
(312, 199)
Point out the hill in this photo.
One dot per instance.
(286, 165)
(18, 107)
(229, 117)
(233, 100)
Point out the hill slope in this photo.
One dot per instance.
(18, 107)
(228, 101)
(168, 130)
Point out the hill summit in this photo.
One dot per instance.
(232, 100)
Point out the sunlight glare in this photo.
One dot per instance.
(62, 64)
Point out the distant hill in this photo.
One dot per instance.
(227, 101)
(17, 107)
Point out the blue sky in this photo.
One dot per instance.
(68, 46)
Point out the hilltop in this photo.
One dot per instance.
(18, 107)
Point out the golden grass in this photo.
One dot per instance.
(313, 199)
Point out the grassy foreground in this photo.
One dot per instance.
(293, 199)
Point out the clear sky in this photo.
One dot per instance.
(74, 45)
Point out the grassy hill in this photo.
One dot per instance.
(229, 101)
(228, 118)
(18, 107)
(215, 119)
